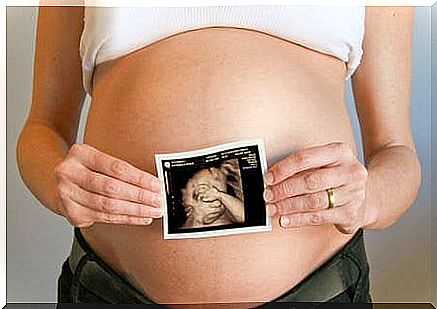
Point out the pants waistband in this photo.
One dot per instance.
(335, 276)
(91, 272)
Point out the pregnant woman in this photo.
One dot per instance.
(167, 80)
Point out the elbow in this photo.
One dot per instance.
(20, 157)
(413, 172)
(22, 151)
(414, 175)
(389, 209)
(19, 151)
(417, 178)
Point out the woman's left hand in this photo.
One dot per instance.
(297, 188)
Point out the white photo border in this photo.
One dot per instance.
(206, 151)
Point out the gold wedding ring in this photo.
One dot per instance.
(331, 198)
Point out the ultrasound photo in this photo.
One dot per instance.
(214, 191)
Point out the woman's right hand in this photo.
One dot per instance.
(96, 187)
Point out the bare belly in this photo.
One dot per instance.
(198, 89)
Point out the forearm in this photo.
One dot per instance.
(393, 183)
(39, 149)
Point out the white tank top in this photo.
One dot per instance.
(111, 32)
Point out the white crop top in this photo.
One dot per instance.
(111, 32)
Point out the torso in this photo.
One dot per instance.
(198, 89)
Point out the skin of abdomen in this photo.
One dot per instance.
(198, 89)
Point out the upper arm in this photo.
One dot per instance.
(382, 82)
(58, 93)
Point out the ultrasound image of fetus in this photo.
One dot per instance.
(213, 196)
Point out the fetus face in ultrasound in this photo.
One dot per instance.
(212, 196)
(214, 191)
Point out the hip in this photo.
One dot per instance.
(234, 267)
(344, 277)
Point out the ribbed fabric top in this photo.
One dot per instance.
(110, 33)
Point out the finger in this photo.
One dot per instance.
(208, 199)
(104, 217)
(309, 158)
(308, 182)
(314, 201)
(81, 216)
(113, 188)
(109, 205)
(117, 168)
(76, 214)
(201, 190)
(346, 215)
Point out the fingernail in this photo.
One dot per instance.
(272, 209)
(284, 221)
(268, 195)
(269, 178)
(147, 221)
(157, 213)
